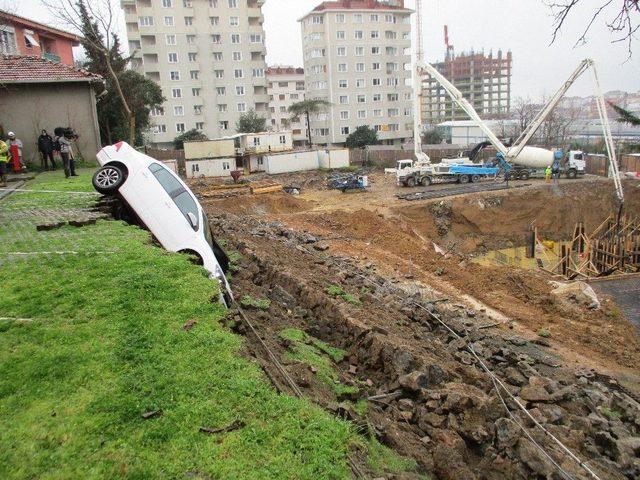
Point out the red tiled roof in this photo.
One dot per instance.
(359, 5)
(285, 71)
(18, 69)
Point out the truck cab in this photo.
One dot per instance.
(575, 164)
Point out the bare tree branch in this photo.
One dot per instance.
(625, 21)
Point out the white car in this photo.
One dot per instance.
(163, 203)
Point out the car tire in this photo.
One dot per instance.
(108, 179)
(525, 175)
(572, 174)
(475, 178)
(411, 182)
(464, 179)
(426, 181)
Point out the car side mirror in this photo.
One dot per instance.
(192, 220)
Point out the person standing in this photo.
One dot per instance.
(45, 146)
(4, 163)
(15, 149)
(66, 155)
(547, 173)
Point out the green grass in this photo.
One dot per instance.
(544, 333)
(337, 291)
(318, 355)
(609, 413)
(381, 459)
(100, 342)
(261, 304)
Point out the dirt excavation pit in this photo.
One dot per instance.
(348, 295)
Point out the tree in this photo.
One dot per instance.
(623, 20)
(524, 111)
(363, 136)
(625, 115)
(192, 135)
(432, 137)
(307, 108)
(251, 122)
(97, 21)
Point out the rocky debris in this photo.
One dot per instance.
(49, 226)
(414, 381)
(442, 213)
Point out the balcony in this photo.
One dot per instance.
(51, 57)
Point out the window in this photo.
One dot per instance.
(7, 41)
(317, 19)
(294, 96)
(377, 97)
(199, 125)
(393, 112)
(216, 38)
(145, 21)
(344, 130)
(222, 108)
(377, 113)
(242, 107)
(195, 74)
(394, 127)
(255, 38)
(375, 66)
(215, 21)
(359, 51)
(195, 92)
(283, 109)
(225, 165)
(166, 3)
(341, 34)
(359, 35)
(168, 21)
(157, 129)
(218, 73)
(239, 90)
(342, 51)
(235, 38)
(233, 3)
(376, 82)
(343, 84)
(360, 83)
(187, 3)
(393, 97)
(357, 18)
(213, 3)
(172, 57)
(175, 76)
(375, 50)
(170, 40)
(362, 114)
(374, 17)
(344, 115)
(180, 196)
(359, 67)
(389, 35)
(342, 67)
(188, 21)
(375, 34)
(390, 18)
(299, 86)
(361, 99)
(238, 73)
(221, 90)
(340, 18)
(223, 125)
(283, 139)
(256, 141)
(193, 56)
(191, 39)
(157, 112)
(234, 21)
(197, 109)
(258, 72)
(176, 92)
(178, 111)
(344, 99)
(237, 56)
(217, 56)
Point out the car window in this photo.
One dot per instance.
(181, 197)
(186, 204)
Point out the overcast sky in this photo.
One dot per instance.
(524, 27)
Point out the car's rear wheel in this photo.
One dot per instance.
(108, 179)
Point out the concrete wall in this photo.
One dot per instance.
(217, 167)
(209, 149)
(333, 158)
(27, 109)
(291, 162)
(268, 142)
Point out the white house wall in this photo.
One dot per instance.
(291, 162)
(218, 167)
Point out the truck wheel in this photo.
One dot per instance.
(108, 180)
(525, 175)
(572, 174)
(411, 182)
(475, 178)
(512, 175)
(426, 181)
(464, 179)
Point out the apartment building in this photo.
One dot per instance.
(207, 55)
(285, 86)
(357, 57)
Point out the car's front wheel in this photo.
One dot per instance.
(108, 179)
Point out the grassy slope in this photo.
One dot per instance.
(106, 344)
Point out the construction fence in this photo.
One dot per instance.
(388, 156)
(598, 164)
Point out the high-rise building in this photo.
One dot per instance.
(357, 57)
(285, 86)
(484, 80)
(207, 55)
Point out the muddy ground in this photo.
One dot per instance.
(360, 273)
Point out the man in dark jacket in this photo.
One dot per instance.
(46, 147)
